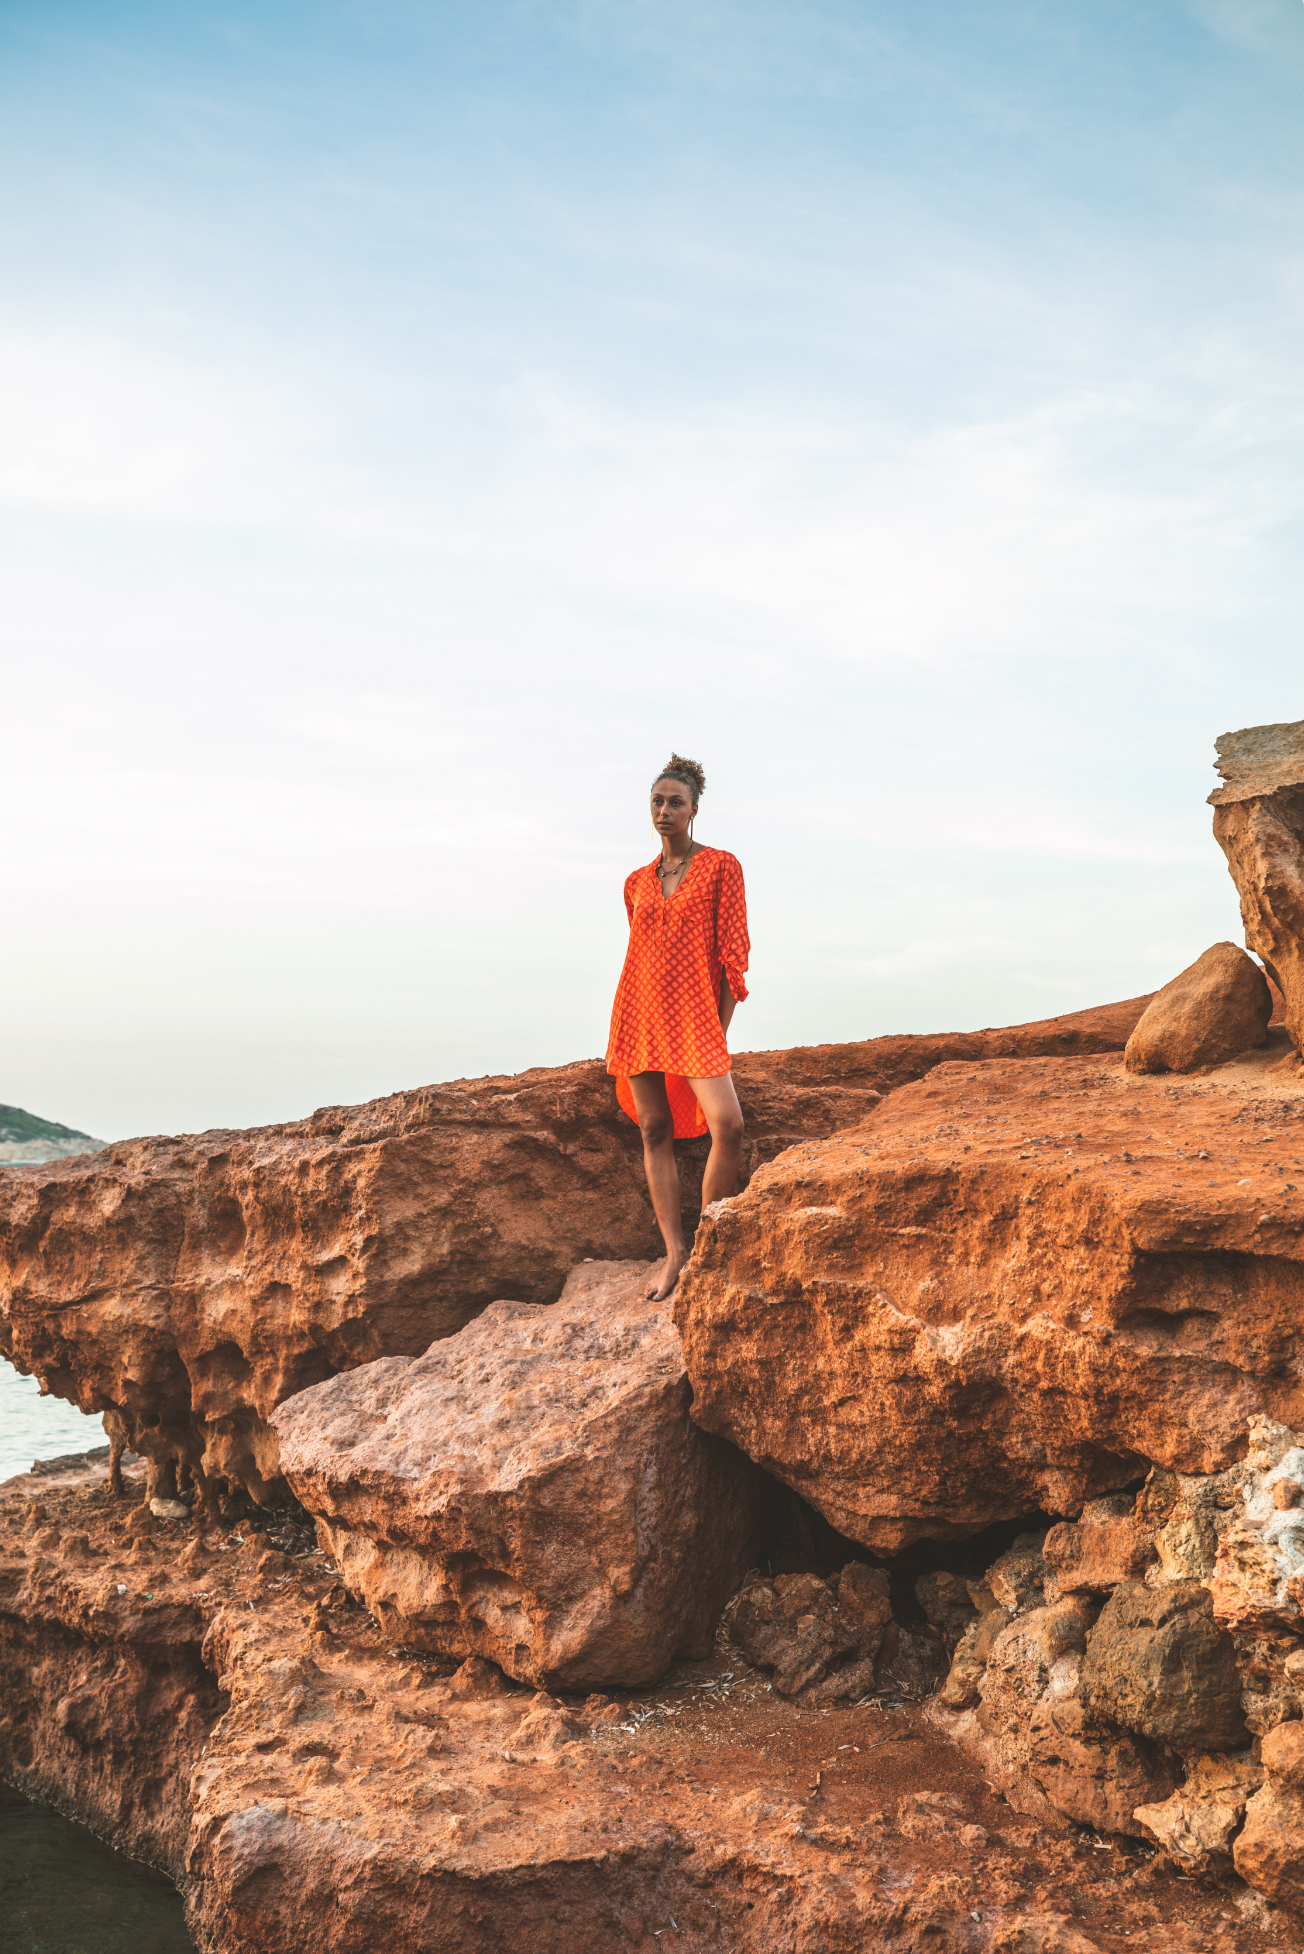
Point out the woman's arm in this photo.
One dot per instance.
(732, 945)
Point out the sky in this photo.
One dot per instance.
(415, 420)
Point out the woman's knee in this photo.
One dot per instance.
(727, 1130)
(658, 1129)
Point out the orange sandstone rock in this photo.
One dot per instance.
(1218, 1007)
(1197, 1825)
(1269, 1853)
(297, 1782)
(814, 1635)
(1018, 1287)
(185, 1287)
(1104, 1548)
(1258, 1575)
(1259, 825)
(1033, 1739)
(532, 1490)
(1159, 1664)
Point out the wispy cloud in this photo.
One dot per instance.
(412, 420)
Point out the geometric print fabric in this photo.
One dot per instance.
(666, 1016)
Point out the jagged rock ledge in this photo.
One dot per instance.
(211, 1699)
(186, 1287)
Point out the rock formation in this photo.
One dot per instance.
(1020, 1286)
(1160, 1665)
(1133, 1674)
(532, 1490)
(1026, 1281)
(189, 1286)
(1106, 1546)
(1258, 1575)
(1002, 1279)
(298, 1775)
(1259, 825)
(1269, 1852)
(105, 1699)
(834, 1641)
(1219, 1007)
(1038, 1742)
(1198, 1823)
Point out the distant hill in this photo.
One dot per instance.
(25, 1137)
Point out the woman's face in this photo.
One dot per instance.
(672, 809)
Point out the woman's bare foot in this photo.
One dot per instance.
(664, 1278)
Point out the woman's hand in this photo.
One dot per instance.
(728, 1004)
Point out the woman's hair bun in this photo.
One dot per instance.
(688, 772)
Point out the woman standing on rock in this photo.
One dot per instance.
(685, 970)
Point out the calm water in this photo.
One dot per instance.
(62, 1891)
(33, 1427)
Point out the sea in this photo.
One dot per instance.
(62, 1890)
(33, 1427)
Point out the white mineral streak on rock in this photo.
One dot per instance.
(1258, 1578)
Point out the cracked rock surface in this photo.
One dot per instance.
(332, 1777)
(187, 1286)
(1259, 825)
(1018, 1287)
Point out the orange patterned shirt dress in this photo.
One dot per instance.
(666, 1017)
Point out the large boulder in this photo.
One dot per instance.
(187, 1286)
(1259, 825)
(532, 1491)
(1158, 1663)
(1020, 1286)
(1218, 1007)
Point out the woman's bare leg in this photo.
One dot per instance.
(657, 1125)
(724, 1116)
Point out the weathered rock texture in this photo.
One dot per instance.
(808, 1632)
(1269, 1853)
(1197, 1825)
(105, 1700)
(1019, 1287)
(834, 1640)
(1160, 1665)
(188, 1286)
(1075, 1707)
(532, 1490)
(368, 1800)
(1258, 1575)
(1034, 1737)
(1105, 1547)
(1219, 1007)
(1186, 1514)
(1259, 825)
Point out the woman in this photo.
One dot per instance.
(685, 970)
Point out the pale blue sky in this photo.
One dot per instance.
(415, 419)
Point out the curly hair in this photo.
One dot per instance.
(687, 772)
